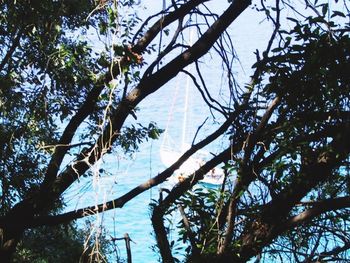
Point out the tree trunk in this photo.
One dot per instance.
(9, 238)
(161, 235)
(12, 227)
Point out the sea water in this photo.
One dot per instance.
(127, 172)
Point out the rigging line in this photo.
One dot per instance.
(161, 31)
(150, 170)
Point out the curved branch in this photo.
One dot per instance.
(210, 105)
(163, 22)
(57, 157)
(337, 250)
(317, 209)
(12, 49)
(167, 50)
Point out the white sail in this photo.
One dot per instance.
(171, 151)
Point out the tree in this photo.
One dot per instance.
(287, 153)
(290, 197)
(61, 243)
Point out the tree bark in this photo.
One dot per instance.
(161, 235)
(8, 243)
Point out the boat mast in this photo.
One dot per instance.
(184, 125)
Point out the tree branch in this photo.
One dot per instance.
(163, 22)
(147, 86)
(160, 178)
(88, 106)
(263, 231)
(176, 193)
(245, 177)
(12, 49)
(190, 234)
(317, 209)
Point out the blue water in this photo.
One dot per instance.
(126, 172)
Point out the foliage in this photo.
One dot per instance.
(204, 207)
(48, 68)
(63, 243)
(66, 100)
(41, 70)
(308, 71)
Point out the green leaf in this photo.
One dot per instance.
(337, 13)
(325, 9)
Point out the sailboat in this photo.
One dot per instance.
(171, 151)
